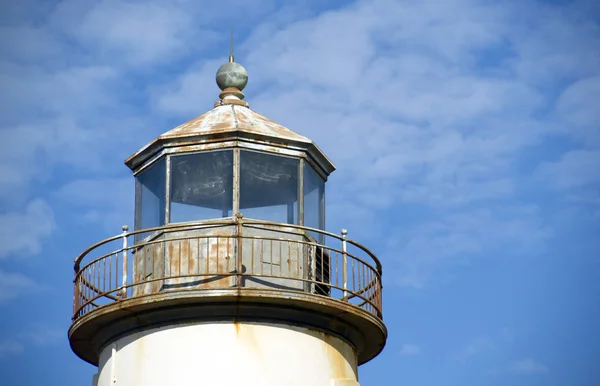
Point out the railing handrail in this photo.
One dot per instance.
(229, 221)
(326, 274)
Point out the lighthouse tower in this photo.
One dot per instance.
(228, 276)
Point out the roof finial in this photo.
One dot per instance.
(231, 47)
(231, 79)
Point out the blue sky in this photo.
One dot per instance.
(466, 135)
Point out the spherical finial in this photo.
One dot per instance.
(344, 232)
(125, 228)
(233, 75)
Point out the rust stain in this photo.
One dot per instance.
(223, 119)
(247, 337)
(340, 368)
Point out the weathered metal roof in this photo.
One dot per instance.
(230, 118)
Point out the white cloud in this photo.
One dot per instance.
(574, 103)
(24, 231)
(139, 32)
(36, 335)
(10, 348)
(528, 367)
(410, 350)
(187, 95)
(479, 346)
(39, 334)
(462, 235)
(106, 201)
(143, 34)
(575, 169)
(14, 284)
(51, 120)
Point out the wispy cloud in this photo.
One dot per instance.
(39, 334)
(24, 231)
(528, 366)
(13, 284)
(105, 201)
(575, 169)
(35, 335)
(9, 348)
(410, 349)
(461, 236)
(478, 346)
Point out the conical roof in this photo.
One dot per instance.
(228, 118)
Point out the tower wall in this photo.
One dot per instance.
(228, 354)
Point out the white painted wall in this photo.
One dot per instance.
(228, 354)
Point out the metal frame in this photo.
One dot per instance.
(138, 189)
(301, 191)
(236, 147)
(183, 154)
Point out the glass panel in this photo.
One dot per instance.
(150, 207)
(201, 186)
(314, 190)
(269, 187)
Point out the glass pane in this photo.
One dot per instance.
(269, 187)
(201, 186)
(151, 185)
(314, 189)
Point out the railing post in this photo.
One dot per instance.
(344, 263)
(239, 263)
(123, 290)
(75, 296)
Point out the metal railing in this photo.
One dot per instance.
(232, 253)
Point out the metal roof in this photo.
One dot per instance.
(231, 118)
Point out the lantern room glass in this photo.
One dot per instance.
(201, 186)
(150, 193)
(269, 187)
(314, 192)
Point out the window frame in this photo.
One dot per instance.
(168, 186)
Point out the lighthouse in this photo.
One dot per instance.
(228, 276)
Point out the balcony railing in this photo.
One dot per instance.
(228, 254)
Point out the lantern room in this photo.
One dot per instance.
(227, 161)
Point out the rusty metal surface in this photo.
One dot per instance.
(228, 254)
(229, 121)
(95, 330)
(233, 118)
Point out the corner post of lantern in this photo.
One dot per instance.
(123, 290)
(300, 219)
(235, 208)
(167, 208)
(344, 262)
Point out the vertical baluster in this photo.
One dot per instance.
(125, 258)
(104, 277)
(337, 273)
(344, 263)
(252, 256)
(110, 259)
(179, 259)
(271, 259)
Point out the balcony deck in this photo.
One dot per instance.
(227, 270)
